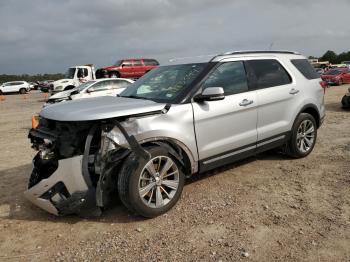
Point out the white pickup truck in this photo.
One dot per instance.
(75, 76)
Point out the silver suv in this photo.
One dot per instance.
(175, 121)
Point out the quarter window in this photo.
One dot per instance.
(231, 76)
(267, 73)
(151, 62)
(305, 68)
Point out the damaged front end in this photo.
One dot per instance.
(76, 167)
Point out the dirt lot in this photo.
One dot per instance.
(266, 208)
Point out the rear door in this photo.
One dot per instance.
(226, 129)
(276, 95)
(16, 86)
(139, 68)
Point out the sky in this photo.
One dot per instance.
(48, 36)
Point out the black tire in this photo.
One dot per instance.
(114, 75)
(129, 181)
(292, 147)
(340, 82)
(22, 91)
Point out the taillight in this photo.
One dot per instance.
(324, 85)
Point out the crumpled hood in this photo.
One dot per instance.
(99, 108)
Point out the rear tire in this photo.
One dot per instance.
(22, 91)
(150, 187)
(303, 137)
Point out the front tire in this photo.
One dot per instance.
(22, 91)
(114, 75)
(151, 187)
(303, 137)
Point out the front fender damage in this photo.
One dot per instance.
(71, 185)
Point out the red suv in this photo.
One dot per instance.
(128, 68)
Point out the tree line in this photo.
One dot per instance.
(335, 58)
(30, 78)
(330, 56)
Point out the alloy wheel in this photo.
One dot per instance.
(305, 136)
(159, 182)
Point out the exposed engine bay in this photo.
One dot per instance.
(75, 169)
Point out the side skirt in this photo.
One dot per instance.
(243, 152)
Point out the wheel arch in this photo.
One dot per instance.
(177, 149)
(312, 110)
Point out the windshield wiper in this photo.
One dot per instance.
(135, 97)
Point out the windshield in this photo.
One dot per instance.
(118, 63)
(85, 85)
(70, 73)
(164, 84)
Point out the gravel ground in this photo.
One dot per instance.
(266, 208)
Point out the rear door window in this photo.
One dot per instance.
(305, 68)
(137, 63)
(116, 84)
(267, 73)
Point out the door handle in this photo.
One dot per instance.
(246, 102)
(293, 91)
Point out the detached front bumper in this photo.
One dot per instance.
(63, 192)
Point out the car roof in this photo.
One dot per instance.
(15, 81)
(110, 79)
(257, 53)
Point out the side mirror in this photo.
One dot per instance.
(210, 94)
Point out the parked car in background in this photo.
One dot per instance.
(347, 63)
(93, 88)
(337, 76)
(319, 70)
(46, 86)
(31, 85)
(176, 121)
(128, 68)
(346, 100)
(21, 87)
(75, 76)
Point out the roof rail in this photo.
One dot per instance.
(256, 52)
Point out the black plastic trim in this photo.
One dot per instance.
(203, 166)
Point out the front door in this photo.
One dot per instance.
(226, 129)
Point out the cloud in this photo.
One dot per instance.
(42, 36)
